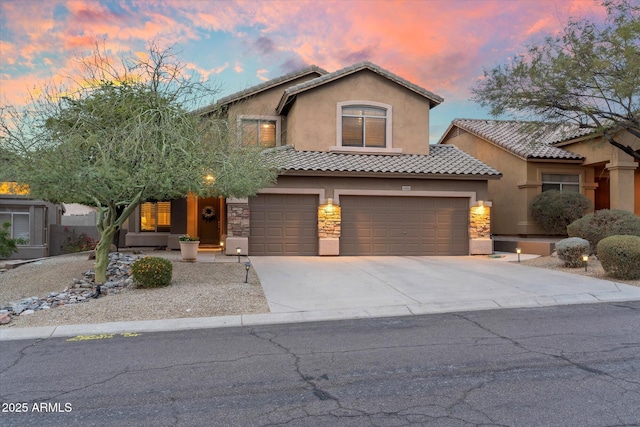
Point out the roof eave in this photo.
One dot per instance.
(553, 160)
(363, 174)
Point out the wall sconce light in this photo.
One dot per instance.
(329, 207)
(585, 259)
(238, 252)
(518, 251)
(247, 266)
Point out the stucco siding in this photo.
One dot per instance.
(314, 114)
(508, 201)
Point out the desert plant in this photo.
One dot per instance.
(570, 251)
(604, 223)
(554, 210)
(152, 272)
(620, 256)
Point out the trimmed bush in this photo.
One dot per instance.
(570, 251)
(152, 272)
(604, 223)
(620, 256)
(553, 210)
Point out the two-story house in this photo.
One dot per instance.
(358, 176)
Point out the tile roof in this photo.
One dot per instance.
(529, 140)
(292, 91)
(263, 86)
(443, 160)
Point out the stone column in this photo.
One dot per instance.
(329, 224)
(480, 242)
(238, 226)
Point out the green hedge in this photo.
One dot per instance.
(604, 223)
(152, 272)
(620, 256)
(554, 210)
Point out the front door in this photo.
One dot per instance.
(209, 211)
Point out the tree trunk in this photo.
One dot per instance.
(102, 254)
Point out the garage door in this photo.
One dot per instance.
(404, 225)
(283, 224)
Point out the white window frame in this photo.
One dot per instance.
(561, 183)
(12, 233)
(277, 119)
(388, 149)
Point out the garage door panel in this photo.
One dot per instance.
(404, 226)
(283, 224)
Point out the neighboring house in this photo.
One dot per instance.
(358, 176)
(532, 160)
(30, 219)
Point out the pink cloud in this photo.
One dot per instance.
(441, 45)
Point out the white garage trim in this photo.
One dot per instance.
(352, 192)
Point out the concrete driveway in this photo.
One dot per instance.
(418, 285)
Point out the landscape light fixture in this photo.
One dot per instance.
(247, 266)
(222, 246)
(238, 251)
(585, 259)
(518, 251)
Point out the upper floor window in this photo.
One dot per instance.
(155, 216)
(364, 126)
(560, 182)
(13, 188)
(263, 131)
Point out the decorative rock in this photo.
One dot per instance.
(81, 290)
(5, 318)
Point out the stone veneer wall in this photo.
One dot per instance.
(480, 223)
(238, 223)
(329, 221)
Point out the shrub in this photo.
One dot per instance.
(7, 244)
(620, 256)
(74, 242)
(152, 272)
(570, 251)
(553, 210)
(604, 223)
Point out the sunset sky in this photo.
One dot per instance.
(441, 45)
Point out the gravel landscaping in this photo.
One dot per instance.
(200, 289)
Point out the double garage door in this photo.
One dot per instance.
(371, 225)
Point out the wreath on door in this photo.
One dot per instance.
(209, 213)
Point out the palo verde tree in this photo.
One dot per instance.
(589, 75)
(124, 135)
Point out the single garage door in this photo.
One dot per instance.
(283, 224)
(404, 225)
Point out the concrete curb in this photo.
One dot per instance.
(182, 324)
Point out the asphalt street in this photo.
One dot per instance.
(576, 365)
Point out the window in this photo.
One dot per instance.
(20, 225)
(260, 131)
(13, 188)
(364, 126)
(155, 216)
(560, 182)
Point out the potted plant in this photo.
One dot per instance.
(189, 247)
